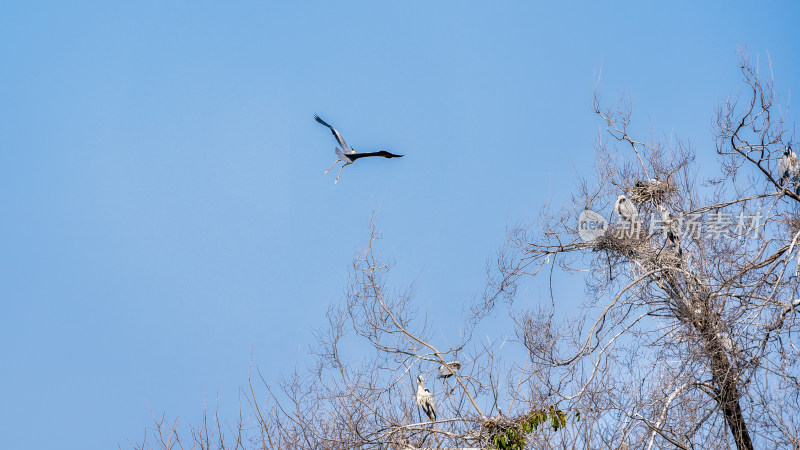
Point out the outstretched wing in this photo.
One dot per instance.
(336, 134)
(354, 156)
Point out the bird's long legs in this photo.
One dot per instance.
(337, 162)
(340, 169)
(340, 173)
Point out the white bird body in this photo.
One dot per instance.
(449, 369)
(342, 157)
(728, 344)
(787, 166)
(626, 210)
(789, 170)
(425, 400)
(666, 219)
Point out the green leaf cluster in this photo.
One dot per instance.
(515, 437)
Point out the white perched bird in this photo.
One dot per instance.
(425, 400)
(625, 209)
(347, 155)
(787, 165)
(449, 369)
(728, 344)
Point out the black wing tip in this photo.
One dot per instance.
(318, 119)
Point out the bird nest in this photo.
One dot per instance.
(652, 191)
(500, 423)
(667, 258)
(503, 432)
(624, 242)
(792, 224)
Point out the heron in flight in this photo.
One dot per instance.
(449, 369)
(347, 155)
(425, 400)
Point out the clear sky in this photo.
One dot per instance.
(164, 208)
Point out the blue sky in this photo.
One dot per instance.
(164, 204)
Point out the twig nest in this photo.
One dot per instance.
(620, 241)
(652, 191)
(793, 224)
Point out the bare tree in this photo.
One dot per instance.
(690, 337)
(687, 338)
(361, 391)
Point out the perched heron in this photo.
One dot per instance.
(449, 369)
(625, 209)
(643, 184)
(728, 344)
(347, 155)
(787, 165)
(673, 239)
(425, 400)
(674, 243)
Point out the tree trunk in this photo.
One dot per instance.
(723, 373)
(728, 399)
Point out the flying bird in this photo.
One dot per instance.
(449, 369)
(347, 155)
(425, 400)
(625, 209)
